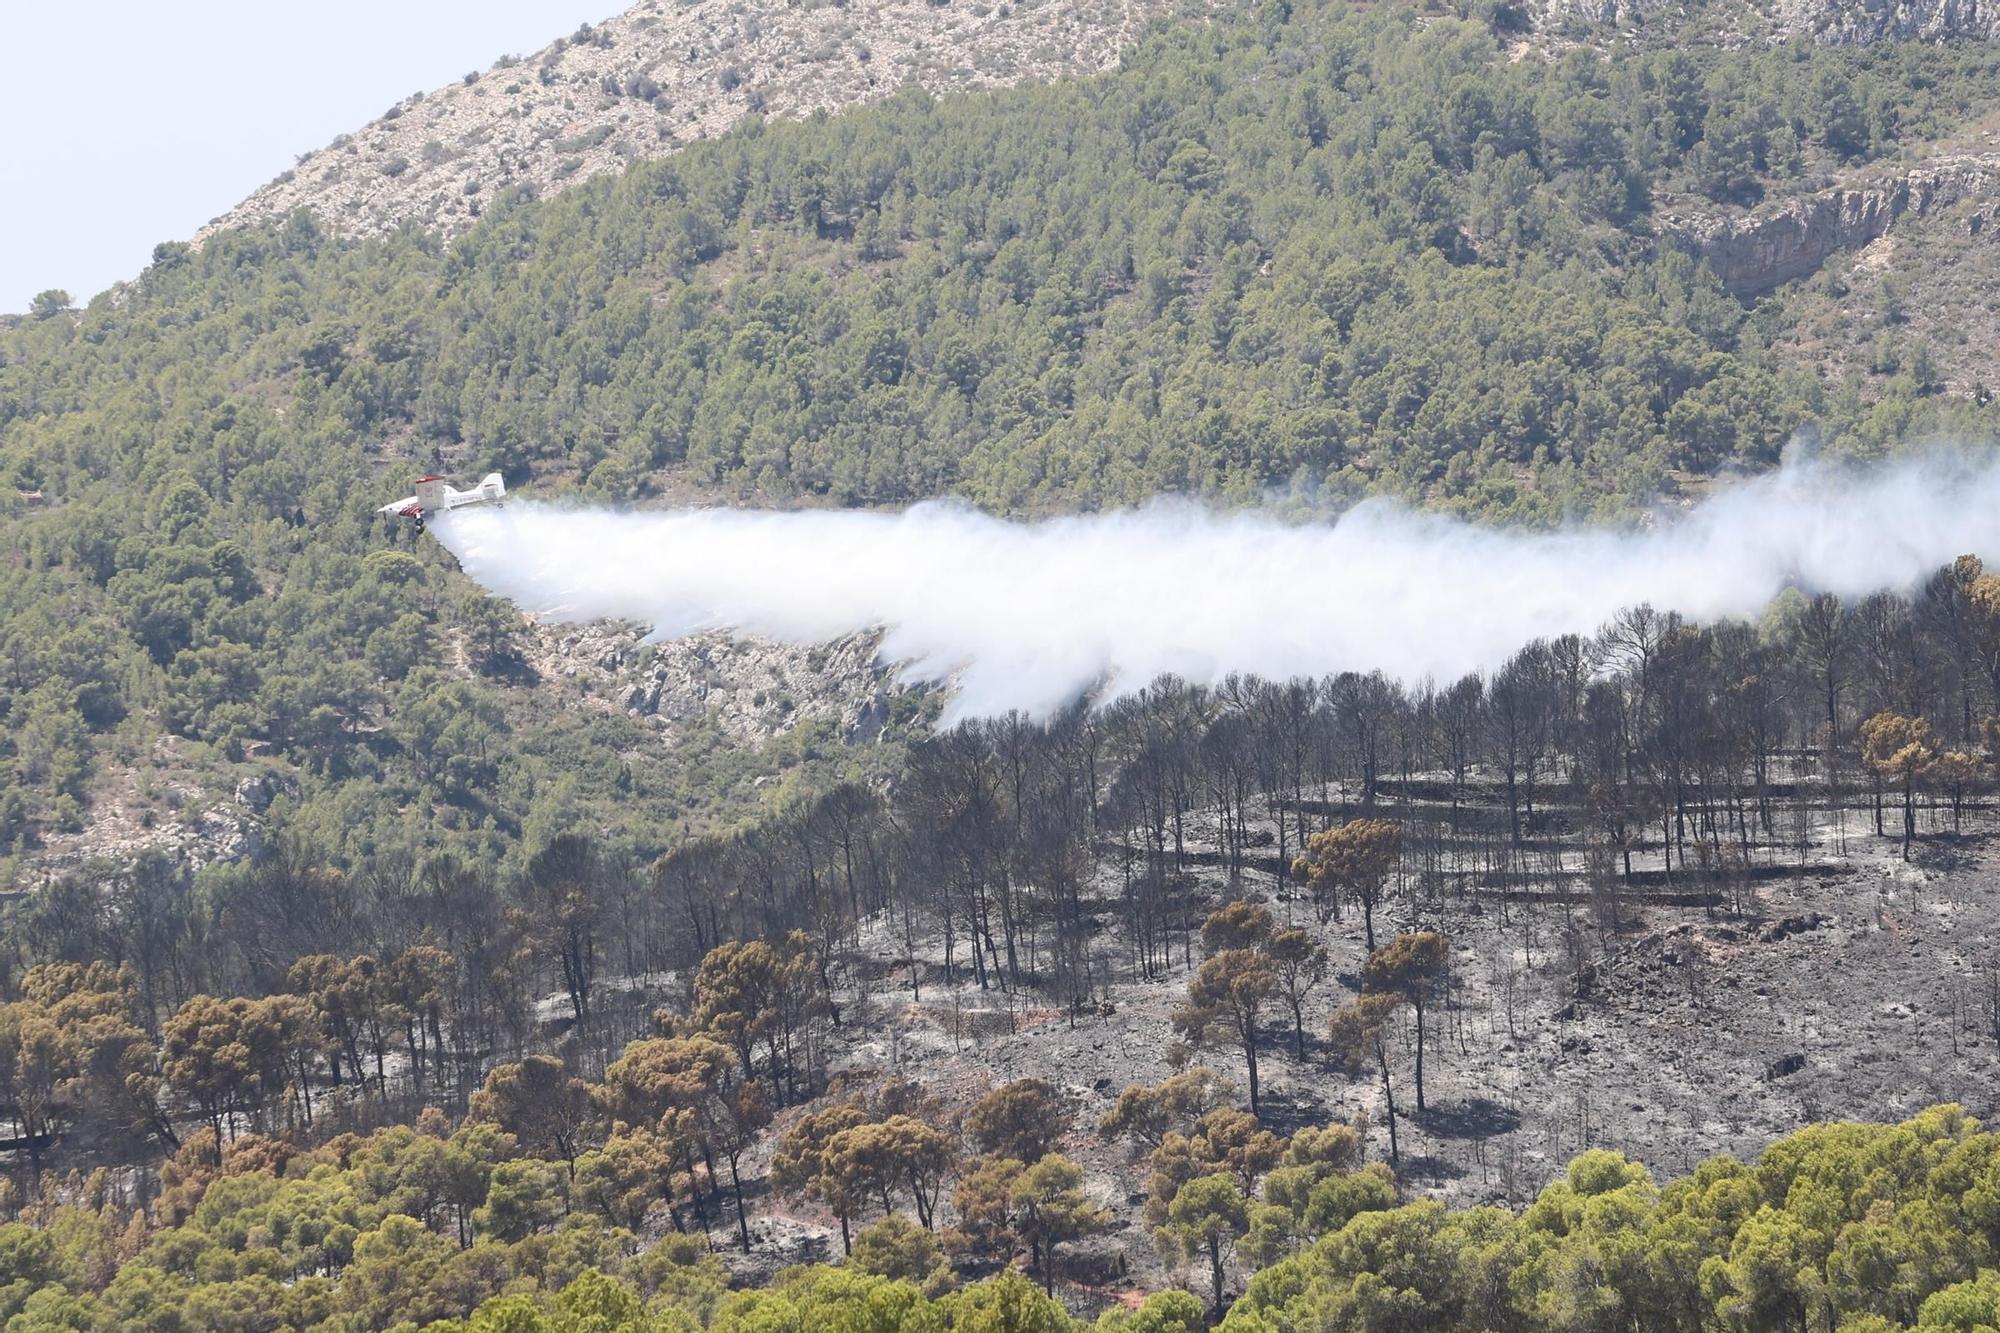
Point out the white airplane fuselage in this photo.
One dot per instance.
(435, 496)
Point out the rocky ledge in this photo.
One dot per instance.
(1792, 238)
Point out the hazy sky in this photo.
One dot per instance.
(124, 124)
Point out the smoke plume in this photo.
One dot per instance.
(1031, 615)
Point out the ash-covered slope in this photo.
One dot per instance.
(666, 72)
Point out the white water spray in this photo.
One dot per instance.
(1030, 615)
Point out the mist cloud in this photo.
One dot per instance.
(1030, 615)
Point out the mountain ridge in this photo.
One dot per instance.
(647, 81)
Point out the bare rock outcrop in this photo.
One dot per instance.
(1857, 22)
(1562, 14)
(664, 73)
(1833, 22)
(753, 689)
(181, 821)
(1791, 239)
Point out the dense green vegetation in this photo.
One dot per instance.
(1867, 1228)
(1309, 248)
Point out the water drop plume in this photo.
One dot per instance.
(1029, 616)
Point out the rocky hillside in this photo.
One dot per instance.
(1923, 21)
(1835, 22)
(1792, 238)
(1889, 20)
(669, 71)
(738, 691)
(1146, 260)
(752, 690)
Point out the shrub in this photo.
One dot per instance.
(590, 138)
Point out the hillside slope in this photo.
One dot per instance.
(663, 74)
(1338, 252)
(373, 852)
(646, 83)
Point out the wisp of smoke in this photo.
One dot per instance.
(1029, 616)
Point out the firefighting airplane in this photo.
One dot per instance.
(435, 495)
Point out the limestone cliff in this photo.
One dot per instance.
(1792, 238)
